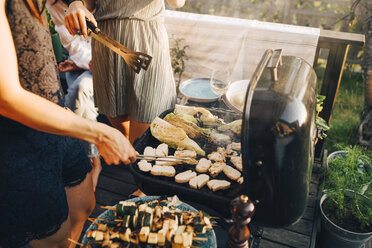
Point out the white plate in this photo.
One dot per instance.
(198, 90)
(237, 87)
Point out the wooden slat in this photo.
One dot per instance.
(105, 197)
(303, 227)
(120, 187)
(308, 214)
(271, 244)
(334, 37)
(119, 172)
(286, 237)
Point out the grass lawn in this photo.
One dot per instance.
(347, 110)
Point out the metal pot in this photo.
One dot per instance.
(333, 236)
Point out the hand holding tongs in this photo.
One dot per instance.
(135, 60)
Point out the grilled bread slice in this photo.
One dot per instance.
(149, 151)
(144, 166)
(203, 165)
(199, 181)
(162, 150)
(216, 156)
(231, 173)
(185, 176)
(216, 168)
(237, 161)
(166, 170)
(216, 184)
(185, 154)
(236, 146)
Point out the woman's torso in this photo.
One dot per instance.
(37, 66)
(146, 10)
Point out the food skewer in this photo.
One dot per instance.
(100, 219)
(154, 223)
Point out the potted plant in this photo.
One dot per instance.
(346, 203)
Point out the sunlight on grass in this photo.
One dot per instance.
(347, 111)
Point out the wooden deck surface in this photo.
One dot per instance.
(116, 183)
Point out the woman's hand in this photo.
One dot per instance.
(175, 4)
(75, 18)
(114, 147)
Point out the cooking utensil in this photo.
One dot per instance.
(168, 158)
(135, 60)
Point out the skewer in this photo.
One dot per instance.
(109, 207)
(199, 239)
(116, 220)
(93, 221)
(75, 242)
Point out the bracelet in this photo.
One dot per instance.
(71, 1)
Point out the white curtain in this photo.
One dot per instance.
(235, 44)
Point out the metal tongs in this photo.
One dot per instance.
(166, 159)
(135, 60)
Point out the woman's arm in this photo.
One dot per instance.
(41, 114)
(176, 3)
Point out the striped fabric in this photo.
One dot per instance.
(139, 26)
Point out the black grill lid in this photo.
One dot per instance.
(277, 137)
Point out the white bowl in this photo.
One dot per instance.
(234, 98)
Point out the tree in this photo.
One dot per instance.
(365, 129)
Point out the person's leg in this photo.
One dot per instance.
(121, 123)
(81, 202)
(137, 129)
(96, 170)
(80, 100)
(57, 240)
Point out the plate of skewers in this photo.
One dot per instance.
(151, 222)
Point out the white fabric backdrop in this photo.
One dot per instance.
(218, 42)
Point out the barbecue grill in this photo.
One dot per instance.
(277, 141)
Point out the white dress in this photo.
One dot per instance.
(118, 90)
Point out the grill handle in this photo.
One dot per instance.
(247, 109)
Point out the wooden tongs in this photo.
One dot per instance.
(135, 60)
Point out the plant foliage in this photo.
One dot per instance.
(347, 183)
(178, 56)
(320, 123)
